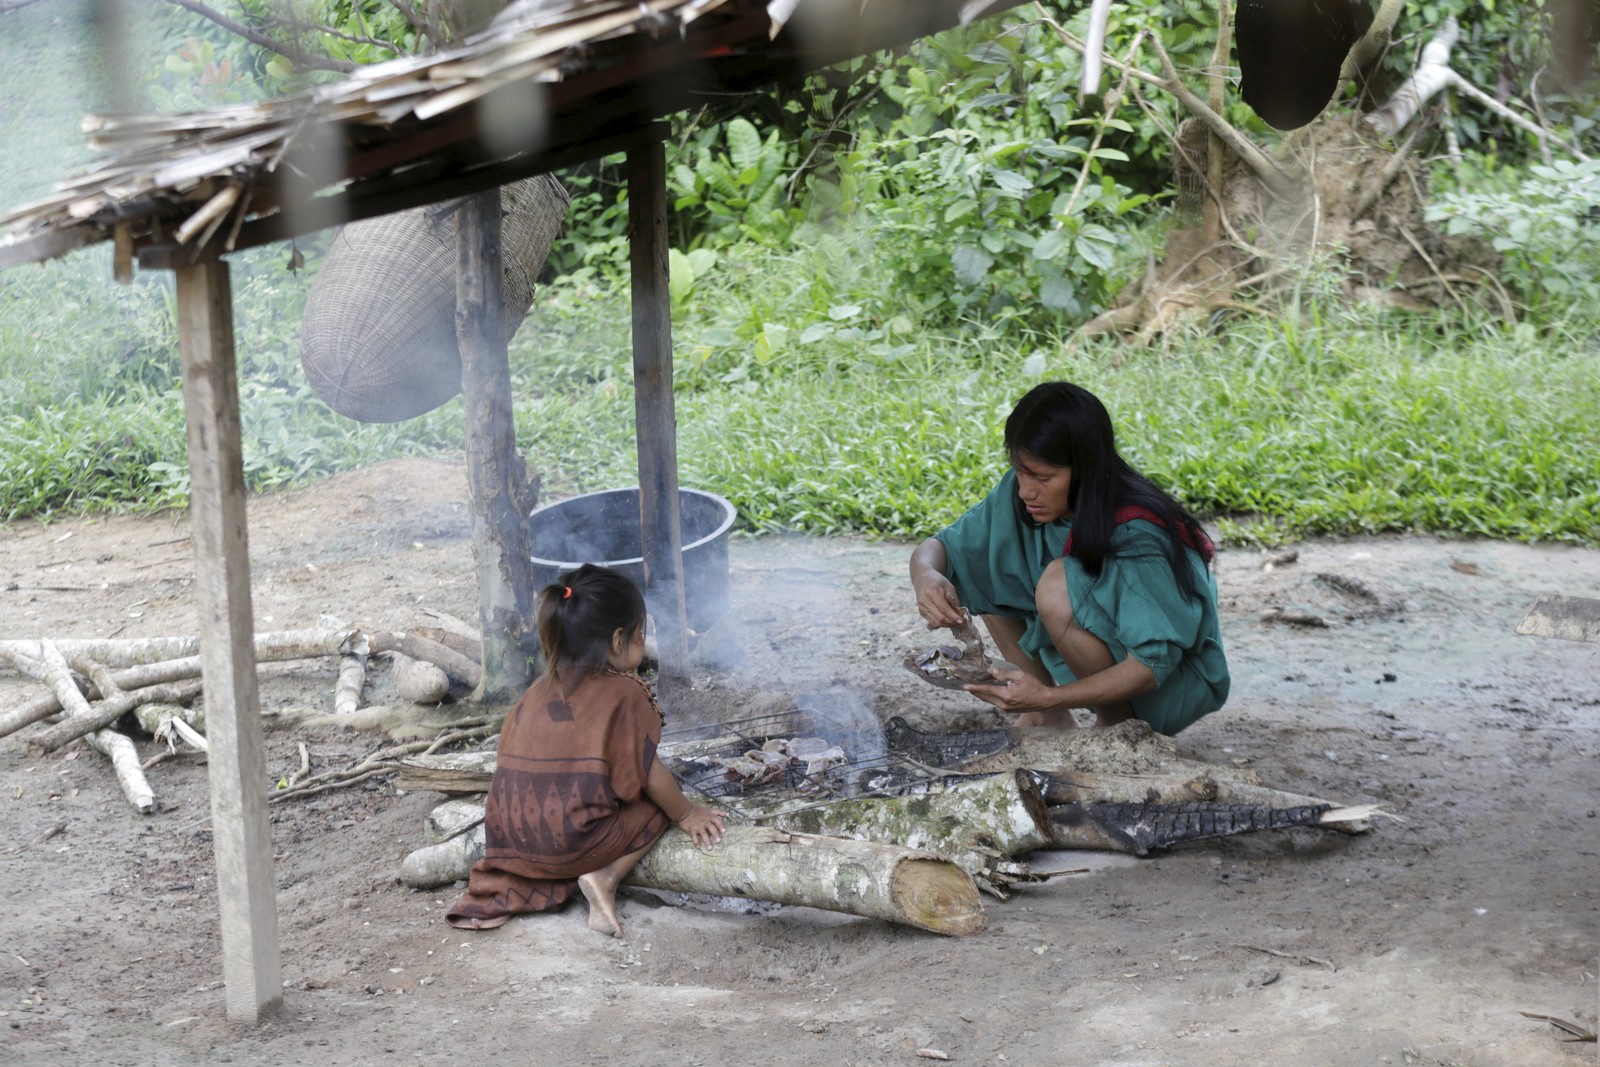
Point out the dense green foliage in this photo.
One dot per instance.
(865, 278)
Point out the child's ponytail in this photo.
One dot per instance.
(580, 611)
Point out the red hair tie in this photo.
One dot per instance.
(566, 592)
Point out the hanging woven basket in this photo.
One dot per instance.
(378, 337)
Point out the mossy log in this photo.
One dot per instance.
(979, 825)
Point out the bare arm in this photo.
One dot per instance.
(1116, 684)
(704, 824)
(937, 601)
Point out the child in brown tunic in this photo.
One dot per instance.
(578, 794)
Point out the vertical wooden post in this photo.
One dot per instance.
(241, 832)
(1217, 86)
(653, 405)
(501, 498)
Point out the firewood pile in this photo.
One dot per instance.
(967, 808)
(104, 690)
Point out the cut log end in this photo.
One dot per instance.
(937, 896)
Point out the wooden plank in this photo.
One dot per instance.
(659, 523)
(495, 471)
(237, 766)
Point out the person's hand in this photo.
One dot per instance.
(938, 603)
(705, 826)
(1015, 691)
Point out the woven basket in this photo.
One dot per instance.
(378, 337)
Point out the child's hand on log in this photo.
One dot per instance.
(704, 825)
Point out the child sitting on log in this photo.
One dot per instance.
(578, 795)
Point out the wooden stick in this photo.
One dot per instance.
(269, 647)
(139, 677)
(124, 757)
(352, 674)
(98, 716)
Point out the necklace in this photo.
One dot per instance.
(648, 692)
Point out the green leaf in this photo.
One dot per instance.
(680, 276)
(971, 264)
(744, 145)
(1013, 184)
(701, 260)
(1049, 245)
(960, 210)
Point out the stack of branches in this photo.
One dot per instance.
(986, 801)
(100, 689)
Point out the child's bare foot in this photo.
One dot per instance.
(602, 900)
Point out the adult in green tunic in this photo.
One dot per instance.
(1090, 578)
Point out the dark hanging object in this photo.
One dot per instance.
(1290, 52)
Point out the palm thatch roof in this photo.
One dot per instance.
(557, 84)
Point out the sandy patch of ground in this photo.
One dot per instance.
(1433, 933)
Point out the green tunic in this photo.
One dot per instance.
(995, 560)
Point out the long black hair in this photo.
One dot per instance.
(580, 611)
(1065, 425)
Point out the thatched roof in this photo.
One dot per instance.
(563, 83)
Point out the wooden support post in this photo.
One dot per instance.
(500, 496)
(241, 832)
(653, 406)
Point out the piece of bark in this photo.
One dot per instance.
(417, 682)
(447, 772)
(138, 677)
(114, 746)
(458, 667)
(130, 652)
(1130, 747)
(979, 825)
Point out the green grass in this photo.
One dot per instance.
(808, 393)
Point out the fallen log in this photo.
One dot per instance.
(417, 682)
(114, 746)
(449, 772)
(139, 677)
(172, 723)
(131, 652)
(453, 663)
(98, 716)
(469, 646)
(865, 878)
(352, 676)
(979, 825)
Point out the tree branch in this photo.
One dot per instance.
(330, 31)
(1273, 175)
(255, 37)
(422, 25)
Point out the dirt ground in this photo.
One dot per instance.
(1418, 943)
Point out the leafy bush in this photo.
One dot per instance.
(1545, 223)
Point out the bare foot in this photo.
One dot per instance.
(602, 905)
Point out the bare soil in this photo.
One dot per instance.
(1418, 943)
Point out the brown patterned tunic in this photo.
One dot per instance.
(567, 795)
